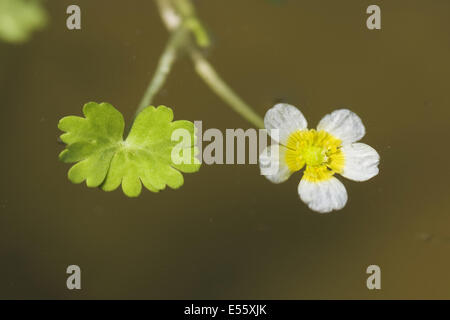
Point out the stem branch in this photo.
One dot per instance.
(177, 14)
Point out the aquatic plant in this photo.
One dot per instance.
(106, 159)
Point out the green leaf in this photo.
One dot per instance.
(19, 18)
(104, 159)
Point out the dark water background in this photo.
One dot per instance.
(229, 233)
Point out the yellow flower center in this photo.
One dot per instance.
(318, 150)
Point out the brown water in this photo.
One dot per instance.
(228, 232)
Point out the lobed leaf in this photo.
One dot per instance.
(104, 159)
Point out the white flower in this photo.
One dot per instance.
(330, 149)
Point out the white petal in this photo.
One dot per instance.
(323, 196)
(361, 162)
(273, 165)
(286, 119)
(343, 124)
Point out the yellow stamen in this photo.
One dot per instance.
(318, 150)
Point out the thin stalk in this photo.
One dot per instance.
(164, 67)
(209, 75)
(175, 14)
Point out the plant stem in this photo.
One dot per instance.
(206, 71)
(178, 13)
(163, 69)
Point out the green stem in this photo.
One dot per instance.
(163, 69)
(206, 71)
(176, 13)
